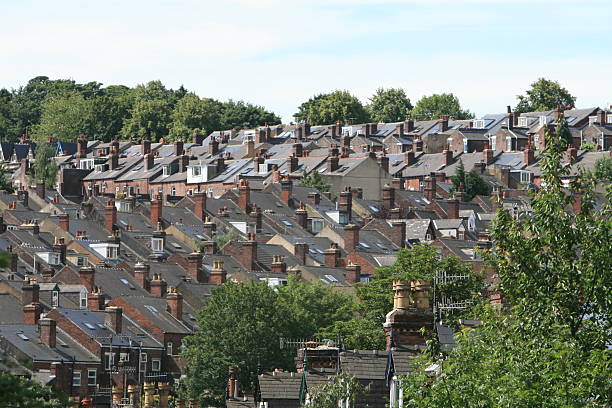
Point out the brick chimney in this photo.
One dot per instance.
(149, 161)
(178, 148)
(383, 162)
(158, 286)
(334, 163)
(209, 227)
(408, 125)
(572, 154)
(528, 155)
(194, 267)
(430, 188)
(141, 274)
(293, 164)
(409, 158)
(452, 211)
(113, 318)
(60, 247)
(398, 233)
(443, 123)
(156, 209)
(510, 121)
(145, 147)
(210, 247)
(249, 252)
(314, 198)
(278, 264)
(95, 300)
(410, 315)
(245, 195)
(448, 157)
(300, 250)
(218, 276)
(353, 273)
(30, 292)
(87, 277)
(345, 201)
(197, 138)
(388, 197)
(487, 154)
(297, 149)
(286, 190)
(64, 222)
(40, 189)
(250, 149)
(399, 129)
(331, 131)
(351, 237)
(200, 205)
(114, 160)
(31, 313)
(301, 216)
(174, 301)
(213, 146)
(332, 256)
(48, 332)
(110, 215)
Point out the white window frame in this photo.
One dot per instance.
(508, 144)
(156, 364)
(83, 299)
(124, 356)
(81, 261)
(143, 362)
(494, 142)
(92, 377)
(76, 378)
(109, 360)
(169, 348)
(157, 244)
(173, 191)
(196, 170)
(111, 252)
(609, 119)
(465, 145)
(523, 121)
(55, 298)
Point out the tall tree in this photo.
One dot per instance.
(389, 105)
(191, 113)
(315, 180)
(242, 115)
(45, 168)
(431, 107)
(472, 182)
(66, 117)
(25, 393)
(544, 95)
(328, 108)
(150, 115)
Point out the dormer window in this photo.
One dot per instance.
(543, 120)
(523, 121)
(55, 298)
(167, 170)
(609, 119)
(157, 245)
(479, 124)
(196, 170)
(83, 299)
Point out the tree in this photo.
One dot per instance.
(473, 183)
(242, 115)
(45, 168)
(603, 169)
(343, 387)
(544, 95)
(550, 348)
(150, 113)
(5, 114)
(315, 180)
(432, 107)
(24, 393)
(5, 184)
(328, 108)
(563, 133)
(65, 117)
(191, 113)
(389, 105)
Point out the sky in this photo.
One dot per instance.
(279, 53)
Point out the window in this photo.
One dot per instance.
(508, 144)
(157, 244)
(197, 170)
(169, 348)
(493, 142)
(55, 295)
(111, 252)
(608, 118)
(166, 170)
(83, 299)
(92, 377)
(156, 364)
(465, 145)
(536, 140)
(124, 356)
(81, 261)
(143, 362)
(173, 191)
(109, 361)
(76, 378)
(523, 122)
(543, 120)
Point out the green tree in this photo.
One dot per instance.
(191, 113)
(389, 105)
(550, 347)
(5, 114)
(603, 169)
(5, 184)
(315, 180)
(431, 107)
(343, 387)
(150, 115)
(242, 115)
(111, 107)
(328, 108)
(45, 168)
(24, 393)
(65, 117)
(544, 95)
(473, 183)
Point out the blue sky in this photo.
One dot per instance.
(278, 53)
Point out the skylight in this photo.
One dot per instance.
(151, 309)
(331, 278)
(287, 223)
(175, 245)
(23, 336)
(363, 244)
(89, 326)
(124, 281)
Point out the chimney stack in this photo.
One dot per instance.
(351, 237)
(452, 209)
(113, 318)
(298, 149)
(301, 216)
(158, 286)
(200, 205)
(388, 196)
(213, 146)
(353, 273)
(487, 154)
(194, 267)
(409, 158)
(218, 276)
(408, 125)
(174, 301)
(145, 147)
(178, 148)
(314, 198)
(448, 157)
(278, 264)
(398, 234)
(245, 195)
(48, 332)
(209, 227)
(60, 247)
(40, 189)
(383, 162)
(286, 191)
(249, 252)
(156, 209)
(82, 147)
(430, 188)
(110, 215)
(197, 138)
(141, 274)
(87, 277)
(332, 256)
(345, 201)
(443, 124)
(95, 300)
(31, 313)
(528, 155)
(210, 247)
(300, 250)
(334, 163)
(149, 161)
(64, 222)
(30, 292)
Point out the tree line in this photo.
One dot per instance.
(65, 109)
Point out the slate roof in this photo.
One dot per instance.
(155, 310)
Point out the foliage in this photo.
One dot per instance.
(389, 105)
(563, 133)
(5, 183)
(431, 107)
(544, 95)
(550, 348)
(588, 147)
(191, 113)
(65, 117)
(603, 169)
(357, 333)
(342, 387)
(150, 113)
(242, 115)
(315, 180)
(221, 239)
(473, 183)
(329, 108)
(45, 168)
